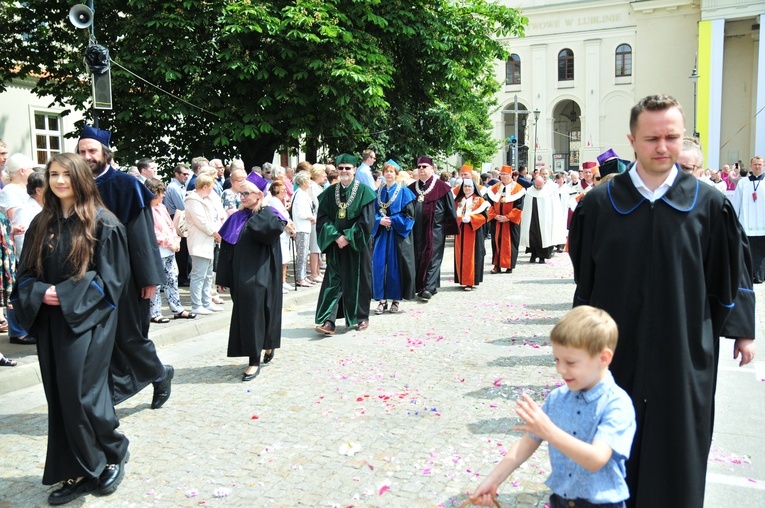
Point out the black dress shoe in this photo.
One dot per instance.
(25, 340)
(162, 388)
(250, 377)
(112, 476)
(71, 490)
(426, 295)
(363, 325)
(267, 357)
(533, 259)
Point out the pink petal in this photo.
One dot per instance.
(384, 489)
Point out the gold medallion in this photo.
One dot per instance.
(341, 213)
(421, 199)
(383, 211)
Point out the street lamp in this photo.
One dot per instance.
(695, 78)
(536, 119)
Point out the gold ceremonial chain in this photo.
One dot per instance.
(342, 206)
(423, 193)
(384, 206)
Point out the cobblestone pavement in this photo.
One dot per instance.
(412, 412)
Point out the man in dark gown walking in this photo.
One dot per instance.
(435, 217)
(135, 363)
(667, 258)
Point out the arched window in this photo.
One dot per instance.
(513, 70)
(566, 65)
(623, 60)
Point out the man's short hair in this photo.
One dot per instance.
(144, 163)
(367, 154)
(198, 162)
(587, 328)
(35, 181)
(755, 157)
(179, 169)
(652, 103)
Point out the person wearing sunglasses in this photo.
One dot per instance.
(250, 264)
(344, 223)
(435, 218)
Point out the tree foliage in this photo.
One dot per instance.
(246, 77)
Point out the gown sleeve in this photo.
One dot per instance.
(729, 268)
(224, 277)
(451, 227)
(265, 226)
(145, 261)
(85, 302)
(580, 251)
(326, 232)
(403, 222)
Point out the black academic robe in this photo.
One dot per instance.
(74, 345)
(134, 361)
(252, 269)
(674, 275)
(434, 218)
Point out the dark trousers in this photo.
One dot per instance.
(558, 502)
(184, 263)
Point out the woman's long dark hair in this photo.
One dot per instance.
(87, 201)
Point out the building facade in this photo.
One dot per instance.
(583, 64)
(30, 125)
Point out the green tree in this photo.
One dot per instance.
(243, 77)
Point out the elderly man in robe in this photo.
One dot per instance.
(542, 225)
(346, 218)
(435, 217)
(506, 198)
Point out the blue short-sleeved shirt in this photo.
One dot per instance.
(603, 413)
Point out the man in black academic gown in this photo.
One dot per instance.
(135, 363)
(435, 217)
(668, 260)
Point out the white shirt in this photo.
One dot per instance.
(660, 190)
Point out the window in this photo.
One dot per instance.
(47, 136)
(513, 70)
(624, 60)
(566, 65)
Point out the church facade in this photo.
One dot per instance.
(569, 84)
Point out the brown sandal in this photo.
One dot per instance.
(394, 308)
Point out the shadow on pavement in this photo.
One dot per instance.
(521, 341)
(510, 392)
(502, 425)
(523, 361)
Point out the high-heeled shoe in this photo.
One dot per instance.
(267, 357)
(250, 377)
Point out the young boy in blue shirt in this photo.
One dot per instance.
(589, 423)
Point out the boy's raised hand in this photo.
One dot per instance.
(537, 422)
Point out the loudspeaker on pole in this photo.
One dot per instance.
(81, 16)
